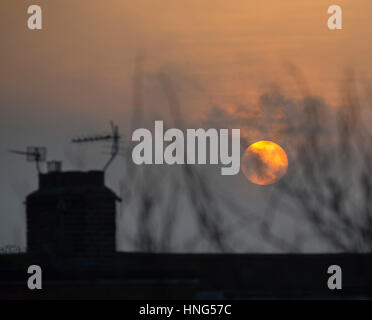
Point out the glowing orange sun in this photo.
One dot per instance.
(264, 163)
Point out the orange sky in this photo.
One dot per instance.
(76, 74)
(217, 51)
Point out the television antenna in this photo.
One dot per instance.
(33, 154)
(114, 136)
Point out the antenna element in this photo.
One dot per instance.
(114, 136)
(33, 154)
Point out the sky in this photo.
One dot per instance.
(76, 74)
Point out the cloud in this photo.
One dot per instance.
(274, 116)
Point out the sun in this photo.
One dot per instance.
(264, 163)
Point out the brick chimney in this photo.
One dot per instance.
(71, 214)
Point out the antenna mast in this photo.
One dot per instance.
(114, 136)
(33, 154)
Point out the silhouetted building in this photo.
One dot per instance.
(71, 236)
(72, 213)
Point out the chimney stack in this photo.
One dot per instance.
(72, 213)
